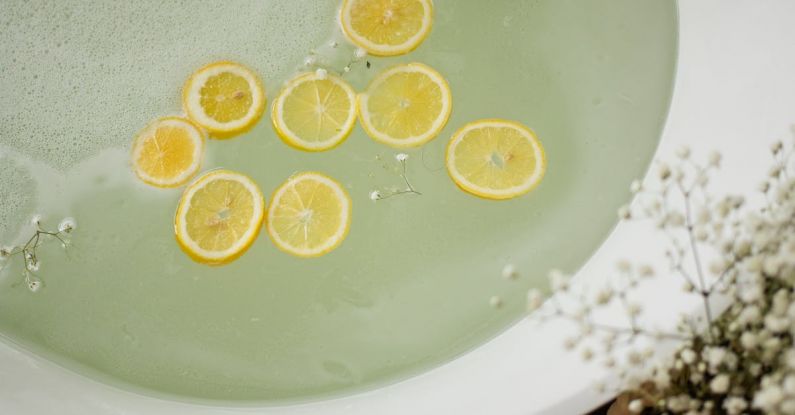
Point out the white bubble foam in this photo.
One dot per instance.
(80, 76)
(18, 190)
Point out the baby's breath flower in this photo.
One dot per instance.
(359, 53)
(587, 354)
(743, 360)
(789, 385)
(742, 248)
(495, 301)
(509, 272)
(664, 172)
(635, 186)
(34, 284)
(776, 324)
(703, 217)
(749, 340)
(558, 281)
(646, 271)
(634, 358)
(333, 44)
(700, 233)
(735, 405)
(624, 212)
(67, 225)
(321, 73)
(714, 159)
(401, 157)
(678, 174)
(768, 398)
(679, 403)
(683, 152)
(776, 147)
(36, 220)
(375, 195)
(688, 356)
(662, 379)
(534, 299)
(714, 356)
(675, 219)
(751, 294)
(636, 406)
(310, 60)
(570, 343)
(623, 266)
(603, 296)
(634, 309)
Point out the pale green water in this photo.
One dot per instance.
(408, 289)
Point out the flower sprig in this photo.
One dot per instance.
(377, 195)
(29, 253)
(736, 359)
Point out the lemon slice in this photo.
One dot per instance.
(309, 215)
(226, 98)
(219, 216)
(314, 112)
(406, 105)
(168, 152)
(495, 159)
(387, 27)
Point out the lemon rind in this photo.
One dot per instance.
(244, 242)
(502, 194)
(386, 50)
(191, 98)
(292, 139)
(414, 141)
(198, 150)
(333, 242)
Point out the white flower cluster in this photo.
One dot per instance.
(31, 263)
(735, 362)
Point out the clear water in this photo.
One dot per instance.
(409, 288)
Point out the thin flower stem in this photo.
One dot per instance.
(696, 256)
(29, 253)
(405, 177)
(722, 275)
(398, 192)
(618, 330)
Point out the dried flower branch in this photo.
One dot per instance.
(29, 250)
(377, 195)
(734, 360)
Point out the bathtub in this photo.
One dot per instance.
(735, 92)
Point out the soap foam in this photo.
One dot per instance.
(18, 190)
(80, 76)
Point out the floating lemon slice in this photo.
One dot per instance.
(168, 152)
(226, 98)
(495, 159)
(219, 217)
(309, 215)
(387, 27)
(314, 112)
(406, 105)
